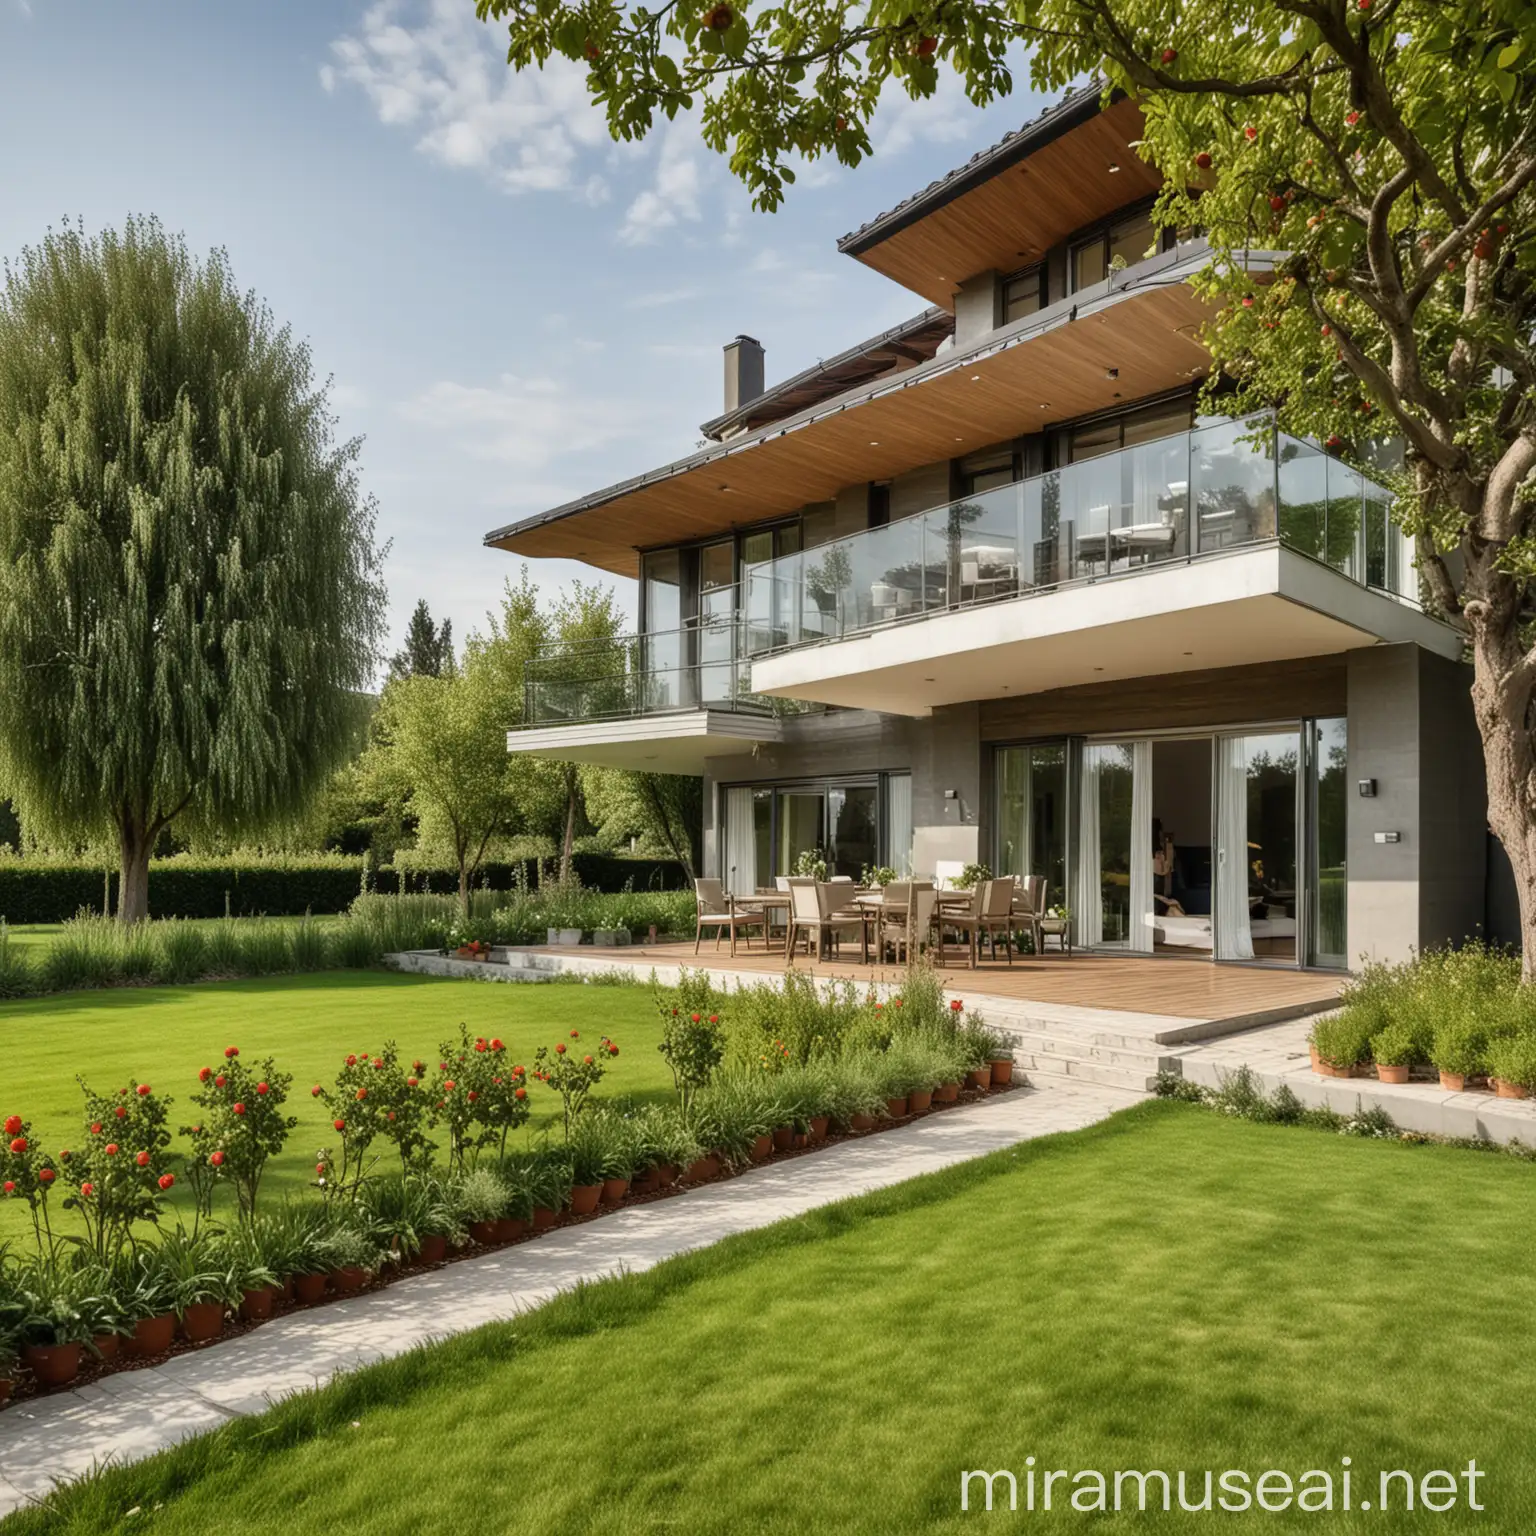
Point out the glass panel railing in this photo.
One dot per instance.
(1232, 473)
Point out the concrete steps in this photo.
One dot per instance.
(1054, 1053)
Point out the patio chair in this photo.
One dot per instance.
(714, 909)
(1029, 908)
(812, 912)
(909, 926)
(991, 913)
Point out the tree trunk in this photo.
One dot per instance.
(1509, 762)
(134, 844)
(464, 885)
(568, 843)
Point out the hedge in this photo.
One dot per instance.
(39, 891)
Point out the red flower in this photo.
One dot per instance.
(613, 1050)
(418, 1067)
(351, 1061)
(204, 1073)
(714, 1018)
(320, 1169)
(239, 1109)
(496, 1045)
(410, 1082)
(12, 1124)
(87, 1190)
(230, 1052)
(45, 1175)
(1250, 132)
(217, 1159)
(1351, 119)
(142, 1159)
(480, 1045)
(956, 1006)
(1203, 160)
(10, 1187)
(879, 1006)
(143, 1089)
(694, 1017)
(518, 1071)
(220, 1080)
(263, 1088)
(111, 1149)
(449, 1086)
(560, 1049)
(315, 1092)
(588, 1060)
(575, 1034)
(896, 1002)
(1169, 55)
(362, 1093)
(519, 1093)
(166, 1180)
(95, 1127)
(19, 1145)
(340, 1125)
(472, 1095)
(391, 1114)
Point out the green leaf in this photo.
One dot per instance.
(1509, 54)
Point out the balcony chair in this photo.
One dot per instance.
(991, 913)
(713, 908)
(814, 912)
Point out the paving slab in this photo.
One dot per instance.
(137, 1413)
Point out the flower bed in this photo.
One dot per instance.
(1459, 1017)
(423, 1166)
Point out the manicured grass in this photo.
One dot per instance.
(1169, 1289)
(162, 1035)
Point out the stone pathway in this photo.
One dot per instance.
(136, 1413)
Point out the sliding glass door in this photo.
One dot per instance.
(1328, 792)
(1257, 802)
(768, 828)
(1114, 866)
(1032, 815)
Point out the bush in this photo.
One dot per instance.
(1397, 1045)
(1344, 1038)
(1512, 1058)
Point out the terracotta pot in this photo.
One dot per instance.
(287, 1287)
(584, 1198)
(701, 1168)
(5, 1390)
(510, 1228)
(433, 1250)
(1002, 1072)
(919, 1100)
(1510, 1090)
(761, 1148)
(348, 1280)
(802, 1139)
(543, 1218)
(896, 1108)
(308, 1289)
(1386, 1073)
(483, 1232)
(980, 1078)
(644, 1182)
(819, 1125)
(52, 1365)
(1453, 1082)
(151, 1336)
(666, 1175)
(107, 1345)
(256, 1304)
(783, 1138)
(1317, 1061)
(614, 1190)
(862, 1122)
(947, 1093)
(202, 1320)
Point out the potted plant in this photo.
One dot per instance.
(812, 863)
(7, 1366)
(1394, 1051)
(589, 1146)
(1459, 1050)
(286, 1239)
(1000, 1058)
(1512, 1064)
(146, 1294)
(480, 1198)
(352, 1258)
(1343, 1041)
(875, 876)
(549, 1185)
(48, 1322)
(240, 1253)
(203, 1283)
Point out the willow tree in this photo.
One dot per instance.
(1387, 146)
(189, 585)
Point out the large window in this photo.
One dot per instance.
(768, 827)
(1123, 244)
(1032, 815)
(1023, 294)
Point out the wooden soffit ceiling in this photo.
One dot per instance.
(1149, 336)
(1017, 215)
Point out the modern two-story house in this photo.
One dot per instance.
(992, 586)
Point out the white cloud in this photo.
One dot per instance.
(430, 67)
(674, 191)
(525, 423)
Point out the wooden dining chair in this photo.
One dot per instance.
(990, 913)
(910, 929)
(1029, 908)
(714, 909)
(815, 911)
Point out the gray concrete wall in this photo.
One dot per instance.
(978, 307)
(1411, 729)
(919, 489)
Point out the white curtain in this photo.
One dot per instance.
(898, 822)
(1088, 908)
(1234, 936)
(740, 842)
(1140, 938)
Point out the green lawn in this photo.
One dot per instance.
(1169, 1290)
(162, 1035)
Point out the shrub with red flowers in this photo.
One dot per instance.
(573, 1071)
(694, 1046)
(242, 1119)
(114, 1179)
(376, 1096)
(479, 1094)
(28, 1173)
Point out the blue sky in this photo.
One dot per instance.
(514, 309)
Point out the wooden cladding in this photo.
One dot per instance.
(1017, 215)
(1276, 690)
(1149, 336)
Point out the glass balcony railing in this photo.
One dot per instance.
(699, 666)
(1217, 487)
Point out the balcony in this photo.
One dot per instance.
(1296, 556)
(659, 702)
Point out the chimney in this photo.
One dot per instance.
(743, 372)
